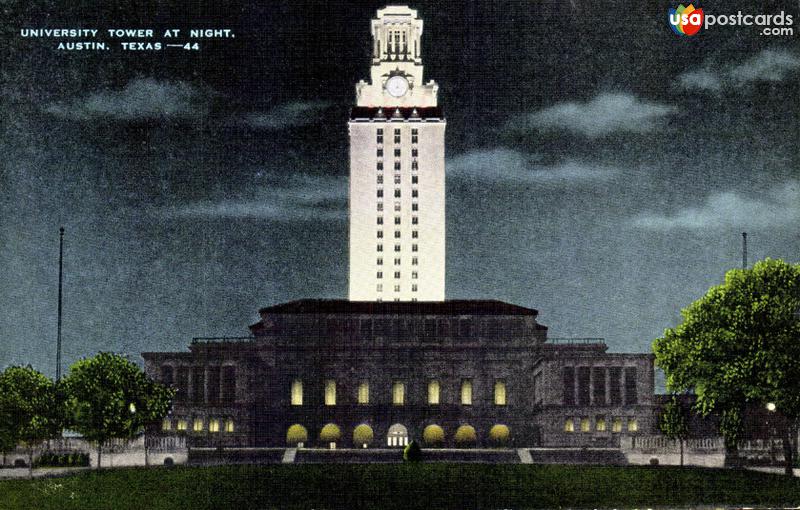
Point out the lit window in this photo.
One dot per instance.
(330, 392)
(380, 220)
(182, 425)
(229, 426)
(600, 424)
(398, 393)
(197, 425)
(297, 392)
(466, 392)
(569, 425)
(380, 261)
(585, 425)
(633, 425)
(499, 393)
(363, 392)
(213, 425)
(616, 425)
(414, 261)
(433, 392)
(166, 424)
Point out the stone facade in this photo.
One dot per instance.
(397, 367)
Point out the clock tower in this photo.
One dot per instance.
(397, 178)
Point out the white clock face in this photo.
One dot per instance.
(397, 86)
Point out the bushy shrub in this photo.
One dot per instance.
(330, 433)
(296, 434)
(362, 435)
(499, 435)
(50, 459)
(465, 435)
(412, 452)
(433, 435)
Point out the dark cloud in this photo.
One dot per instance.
(294, 114)
(770, 65)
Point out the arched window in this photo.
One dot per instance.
(297, 392)
(466, 392)
(500, 392)
(398, 393)
(197, 425)
(363, 392)
(330, 392)
(600, 424)
(616, 425)
(182, 425)
(569, 425)
(397, 435)
(229, 425)
(433, 392)
(633, 425)
(213, 425)
(585, 425)
(166, 424)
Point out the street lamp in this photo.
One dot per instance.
(771, 407)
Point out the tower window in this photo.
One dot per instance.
(380, 220)
(414, 220)
(397, 220)
(499, 393)
(396, 131)
(414, 193)
(379, 287)
(397, 234)
(380, 261)
(414, 153)
(414, 139)
(398, 393)
(415, 234)
(397, 274)
(397, 288)
(396, 166)
(379, 165)
(397, 153)
(380, 275)
(380, 193)
(414, 247)
(380, 179)
(380, 234)
(380, 247)
(414, 165)
(414, 131)
(396, 247)
(379, 139)
(397, 207)
(397, 179)
(414, 287)
(379, 153)
(397, 261)
(396, 138)
(415, 206)
(414, 179)
(397, 193)
(380, 206)
(414, 275)
(414, 261)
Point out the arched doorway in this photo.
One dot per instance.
(397, 436)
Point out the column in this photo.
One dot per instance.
(591, 386)
(608, 385)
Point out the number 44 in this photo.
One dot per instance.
(191, 46)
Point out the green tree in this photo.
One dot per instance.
(674, 422)
(109, 397)
(29, 409)
(739, 345)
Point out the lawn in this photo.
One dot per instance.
(389, 486)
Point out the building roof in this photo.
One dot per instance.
(366, 113)
(452, 307)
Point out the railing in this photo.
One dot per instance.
(200, 339)
(664, 444)
(581, 340)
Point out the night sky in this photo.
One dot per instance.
(600, 168)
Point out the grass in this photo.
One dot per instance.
(394, 486)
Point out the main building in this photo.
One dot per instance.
(397, 361)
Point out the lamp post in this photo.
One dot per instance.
(770, 409)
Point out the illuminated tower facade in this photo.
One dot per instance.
(397, 176)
